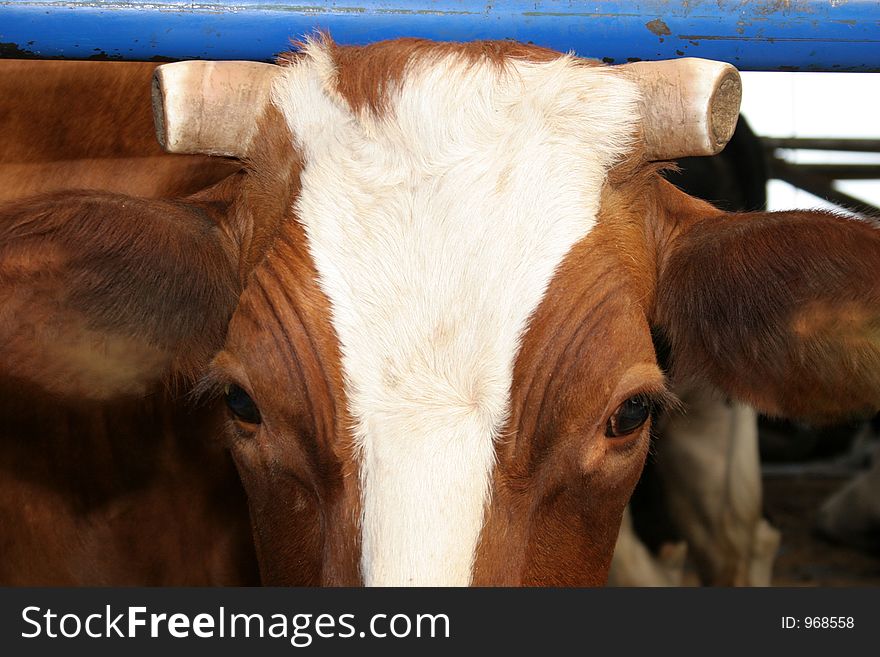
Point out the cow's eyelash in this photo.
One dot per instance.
(662, 401)
(210, 386)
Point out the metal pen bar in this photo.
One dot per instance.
(822, 144)
(808, 35)
(841, 171)
(819, 186)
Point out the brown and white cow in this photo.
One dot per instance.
(427, 299)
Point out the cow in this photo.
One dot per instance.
(427, 301)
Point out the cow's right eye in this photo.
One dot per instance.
(241, 405)
(629, 417)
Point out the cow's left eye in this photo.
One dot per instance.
(628, 417)
(241, 404)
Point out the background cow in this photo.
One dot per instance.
(123, 491)
(427, 300)
(852, 514)
(88, 125)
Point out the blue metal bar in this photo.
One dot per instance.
(836, 35)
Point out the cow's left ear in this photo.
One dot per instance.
(781, 310)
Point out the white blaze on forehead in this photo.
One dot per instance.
(435, 230)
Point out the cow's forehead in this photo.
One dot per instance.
(435, 226)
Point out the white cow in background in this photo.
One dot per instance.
(852, 515)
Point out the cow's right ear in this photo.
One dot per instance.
(778, 309)
(104, 295)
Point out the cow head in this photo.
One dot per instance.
(428, 299)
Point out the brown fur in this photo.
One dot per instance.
(281, 339)
(560, 485)
(130, 492)
(126, 289)
(88, 125)
(273, 180)
(120, 491)
(365, 75)
(102, 297)
(780, 310)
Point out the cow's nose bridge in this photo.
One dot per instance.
(424, 489)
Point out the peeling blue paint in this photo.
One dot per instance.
(764, 35)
